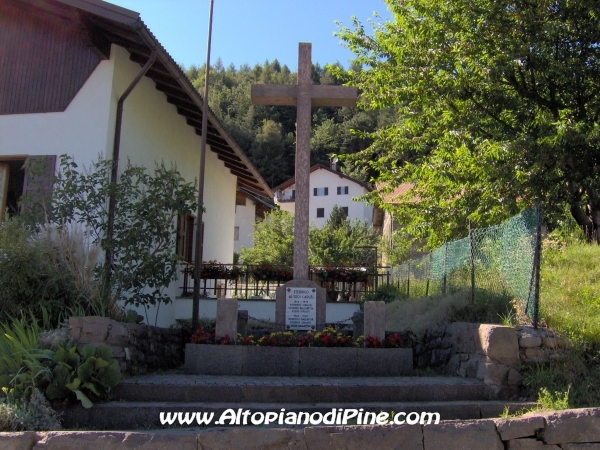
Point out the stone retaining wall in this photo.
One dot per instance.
(135, 346)
(577, 429)
(492, 353)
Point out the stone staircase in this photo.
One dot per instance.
(140, 400)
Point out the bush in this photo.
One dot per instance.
(83, 373)
(385, 293)
(23, 365)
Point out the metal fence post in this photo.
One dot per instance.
(445, 266)
(472, 257)
(428, 274)
(538, 260)
(408, 279)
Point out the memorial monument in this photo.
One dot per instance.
(301, 302)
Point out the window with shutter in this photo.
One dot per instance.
(37, 185)
(185, 237)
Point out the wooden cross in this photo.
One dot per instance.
(304, 95)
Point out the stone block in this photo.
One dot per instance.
(514, 377)
(463, 336)
(118, 334)
(242, 323)
(115, 440)
(270, 361)
(500, 344)
(358, 324)
(589, 446)
(24, 440)
(227, 318)
(208, 359)
(362, 437)
(529, 341)
(384, 362)
(328, 361)
(251, 438)
(572, 426)
(473, 434)
(529, 444)
(564, 343)
(493, 373)
(94, 329)
(550, 342)
(538, 354)
(375, 320)
(519, 427)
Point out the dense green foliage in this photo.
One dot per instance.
(267, 133)
(498, 105)
(333, 244)
(83, 373)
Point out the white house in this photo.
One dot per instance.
(64, 65)
(328, 188)
(249, 209)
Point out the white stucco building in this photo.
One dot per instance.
(249, 209)
(327, 189)
(63, 68)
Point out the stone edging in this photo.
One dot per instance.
(563, 430)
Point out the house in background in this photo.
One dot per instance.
(249, 210)
(64, 64)
(328, 188)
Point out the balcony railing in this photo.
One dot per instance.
(259, 282)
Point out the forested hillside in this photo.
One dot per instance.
(267, 133)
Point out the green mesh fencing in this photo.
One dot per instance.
(498, 259)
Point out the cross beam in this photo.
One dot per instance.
(304, 95)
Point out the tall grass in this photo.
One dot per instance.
(570, 305)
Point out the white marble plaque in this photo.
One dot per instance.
(300, 308)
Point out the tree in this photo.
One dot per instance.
(145, 259)
(273, 240)
(337, 242)
(498, 106)
(333, 244)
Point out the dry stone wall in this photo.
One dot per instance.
(135, 346)
(577, 429)
(492, 353)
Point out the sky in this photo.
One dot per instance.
(252, 31)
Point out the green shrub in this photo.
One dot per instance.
(23, 365)
(385, 293)
(83, 373)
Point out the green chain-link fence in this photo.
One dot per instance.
(502, 259)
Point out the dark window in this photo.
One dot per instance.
(320, 212)
(294, 193)
(320, 191)
(342, 190)
(345, 209)
(26, 185)
(240, 199)
(236, 233)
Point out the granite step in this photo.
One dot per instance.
(127, 415)
(300, 390)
